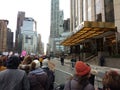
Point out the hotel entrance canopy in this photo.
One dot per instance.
(88, 30)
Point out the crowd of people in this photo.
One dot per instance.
(28, 73)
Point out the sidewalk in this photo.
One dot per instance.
(109, 62)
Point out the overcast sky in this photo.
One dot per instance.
(37, 9)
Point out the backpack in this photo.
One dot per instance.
(37, 79)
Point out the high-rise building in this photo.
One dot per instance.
(40, 47)
(54, 30)
(3, 35)
(28, 36)
(61, 22)
(6, 37)
(9, 40)
(20, 18)
(54, 27)
(66, 25)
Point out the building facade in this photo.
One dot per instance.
(28, 36)
(56, 27)
(66, 25)
(95, 27)
(3, 35)
(10, 40)
(6, 37)
(93, 10)
(61, 22)
(40, 45)
(20, 18)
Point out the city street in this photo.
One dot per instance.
(62, 72)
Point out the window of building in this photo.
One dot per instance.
(99, 17)
(98, 11)
(109, 10)
(84, 10)
(26, 39)
(31, 40)
(89, 10)
(61, 25)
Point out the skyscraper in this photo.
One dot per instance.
(20, 18)
(54, 27)
(3, 35)
(54, 30)
(28, 36)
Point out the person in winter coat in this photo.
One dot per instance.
(25, 64)
(62, 60)
(13, 78)
(37, 77)
(73, 61)
(111, 80)
(50, 73)
(1, 65)
(51, 64)
(80, 81)
(102, 61)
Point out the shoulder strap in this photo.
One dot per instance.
(83, 87)
(70, 84)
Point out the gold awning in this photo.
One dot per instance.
(87, 30)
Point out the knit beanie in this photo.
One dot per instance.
(13, 62)
(82, 68)
(45, 63)
(37, 64)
